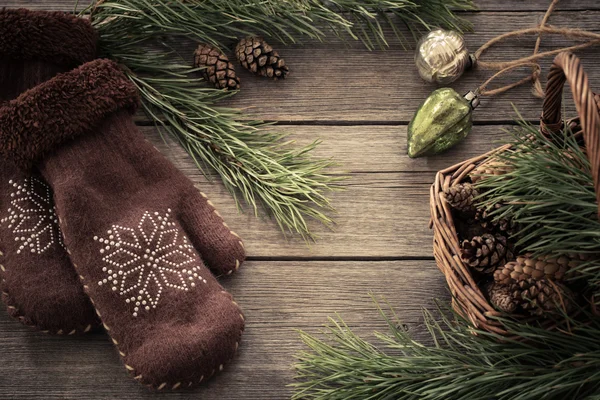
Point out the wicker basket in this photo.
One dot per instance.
(468, 299)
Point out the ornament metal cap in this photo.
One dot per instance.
(473, 99)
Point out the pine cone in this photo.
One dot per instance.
(467, 228)
(503, 226)
(526, 267)
(461, 197)
(218, 68)
(494, 167)
(539, 297)
(259, 58)
(501, 297)
(487, 252)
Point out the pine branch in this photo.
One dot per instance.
(549, 192)
(366, 20)
(459, 365)
(254, 163)
(219, 22)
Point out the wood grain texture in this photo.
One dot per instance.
(358, 102)
(353, 84)
(384, 204)
(344, 83)
(277, 298)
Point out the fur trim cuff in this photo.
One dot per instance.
(47, 36)
(67, 106)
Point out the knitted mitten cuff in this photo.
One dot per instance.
(50, 36)
(67, 106)
(38, 283)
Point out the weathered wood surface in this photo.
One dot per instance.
(353, 84)
(358, 102)
(384, 202)
(277, 298)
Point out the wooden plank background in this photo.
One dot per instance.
(359, 103)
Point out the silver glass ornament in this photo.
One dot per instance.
(442, 56)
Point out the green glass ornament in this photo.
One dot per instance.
(444, 119)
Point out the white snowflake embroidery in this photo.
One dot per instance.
(148, 259)
(32, 216)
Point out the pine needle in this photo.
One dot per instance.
(219, 22)
(458, 365)
(255, 163)
(549, 192)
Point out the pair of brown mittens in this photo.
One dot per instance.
(108, 229)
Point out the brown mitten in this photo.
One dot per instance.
(138, 232)
(39, 284)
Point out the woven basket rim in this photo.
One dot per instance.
(468, 299)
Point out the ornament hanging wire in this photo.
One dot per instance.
(442, 56)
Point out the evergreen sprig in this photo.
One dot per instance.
(459, 363)
(255, 164)
(219, 22)
(549, 191)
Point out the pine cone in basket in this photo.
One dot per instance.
(491, 168)
(259, 58)
(543, 296)
(526, 266)
(461, 197)
(467, 228)
(503, 225)
(501, 297)
(218, 69)
(485, 253)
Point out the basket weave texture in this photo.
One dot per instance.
(467, 298)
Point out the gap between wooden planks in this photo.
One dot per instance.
(383, 213)
(277, 298)
(384, 206)
(343, 83)
(338, 82)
